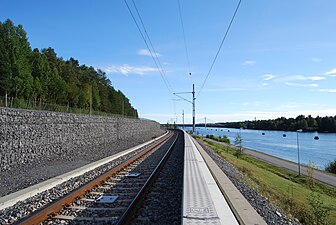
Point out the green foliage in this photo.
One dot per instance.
(95, 95)
(320, 212)
(224, 139)
(310, 171)
(8, 44)
(331, 167)
(239, 144)
(45, 78)
(20, 103)
(190, 132)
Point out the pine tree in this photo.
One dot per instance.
(6, 73)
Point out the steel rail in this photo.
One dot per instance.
(51, 209)
(127, 217)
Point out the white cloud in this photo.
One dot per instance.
(331, 73)
(301, 85)
(328, 90)
(292, 78)
(298, 77)
(255, 104)
(248, 63)
(290, 105)
(146, 52)
(269, 77)
(314, 78)
(127, 69)
(316, 59)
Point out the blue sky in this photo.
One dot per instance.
(278, 59)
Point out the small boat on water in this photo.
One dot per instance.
(262, 133)
(284, 135)
(316, 137)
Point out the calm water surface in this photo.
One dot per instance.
(320, 151)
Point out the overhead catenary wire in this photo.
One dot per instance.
(219, 49)
(184, 36)
(151, 44)
(160, 68)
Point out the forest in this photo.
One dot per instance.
(43, 77)
(309, 123)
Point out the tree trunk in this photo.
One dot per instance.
(6, 99)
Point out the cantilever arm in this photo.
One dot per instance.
(182, 97)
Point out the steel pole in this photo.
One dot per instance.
(193, 93)
(297, 141)
(183, 118)
(91, 99)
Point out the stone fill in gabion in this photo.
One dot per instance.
(37, 145)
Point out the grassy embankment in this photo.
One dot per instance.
(285, 189)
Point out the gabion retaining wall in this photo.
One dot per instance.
(27, 135)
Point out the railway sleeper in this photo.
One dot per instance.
(62, 217)
(96, 209)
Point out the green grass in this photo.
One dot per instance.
(285, 189)
(224, 139)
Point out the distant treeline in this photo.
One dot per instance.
(309, 123)
(47, 78)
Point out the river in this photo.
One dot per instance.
(283, 144)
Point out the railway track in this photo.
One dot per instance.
(111, 198)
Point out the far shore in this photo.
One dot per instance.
(218, 126)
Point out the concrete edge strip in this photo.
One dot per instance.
(242, 209)
(11, 199)
(222, 209)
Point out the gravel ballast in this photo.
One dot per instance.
(163, 204)
(145, 166)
